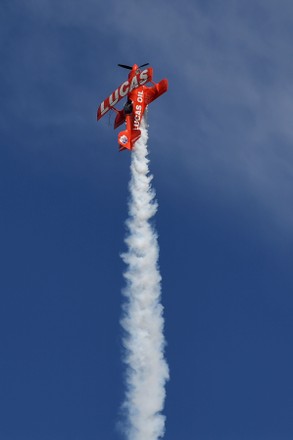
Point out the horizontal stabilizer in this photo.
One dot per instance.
(126, 141)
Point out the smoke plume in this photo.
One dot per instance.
(143, 322)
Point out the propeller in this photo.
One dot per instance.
(130, 68)
(124, 66)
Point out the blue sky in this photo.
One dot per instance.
(221, 153)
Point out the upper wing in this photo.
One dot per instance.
(152, 93)
(112, 100)
(137, 80)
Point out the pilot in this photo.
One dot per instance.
(128, 107)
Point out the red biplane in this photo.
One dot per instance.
(138, 95)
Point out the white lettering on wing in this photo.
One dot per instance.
(113, 99)
(103, 109)
(124, 89)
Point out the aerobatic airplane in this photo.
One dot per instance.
(138, 95)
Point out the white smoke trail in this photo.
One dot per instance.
(147, 370)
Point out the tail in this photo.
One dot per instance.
(126, 140)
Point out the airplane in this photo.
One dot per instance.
(139, 96)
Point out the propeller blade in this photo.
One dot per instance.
(146, 64)
(125, 67)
